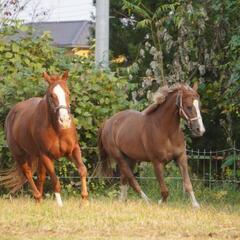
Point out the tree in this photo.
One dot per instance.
(191, 41)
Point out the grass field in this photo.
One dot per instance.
(21, 218)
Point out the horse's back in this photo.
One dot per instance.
(21, 110)
(127, 117)
(18, 123)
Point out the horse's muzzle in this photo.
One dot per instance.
(196, 132)
(65, 122)
(197, 129)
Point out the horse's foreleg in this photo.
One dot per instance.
(159, 172)
(183, 166)
(27, 170)
(76, 157)
(48, 163)
(41, 177)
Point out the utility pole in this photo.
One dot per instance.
(102, 34)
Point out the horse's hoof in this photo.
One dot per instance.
(122, 200)
(144, 197)
(85, 202)
(147, 201)
(38, 200)
(161, 202)
(196, 205)
(37, 197)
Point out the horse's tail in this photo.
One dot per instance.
(104, 167)
(12, 179)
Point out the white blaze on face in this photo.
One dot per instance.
(63, 113)
(200, 122)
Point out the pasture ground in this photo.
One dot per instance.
(21, 218)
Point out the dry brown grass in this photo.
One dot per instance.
(105, 219)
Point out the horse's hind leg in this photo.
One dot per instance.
(127, 172)
(41, 177)
(159, 172)
(24, 162)
(125, 183)
(27, 170)
(123, 188)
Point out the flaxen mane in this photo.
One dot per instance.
(160, 96)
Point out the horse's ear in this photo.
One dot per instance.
(152, 108)
(195, 86)
(65, 76)
(47, 77)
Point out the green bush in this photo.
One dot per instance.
(95, 94)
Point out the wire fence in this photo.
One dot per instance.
(216, 166)
(208, 167)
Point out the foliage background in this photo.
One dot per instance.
(95, 94)
(185, 41)
(164, 42)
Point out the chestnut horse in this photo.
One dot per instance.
(38, 131)
(153, 135)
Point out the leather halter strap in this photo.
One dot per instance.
(61, 106)
(54, 108)
(181, 109)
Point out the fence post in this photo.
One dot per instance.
(210, 169)
(204, 170)
(198, 168)
(234, 164)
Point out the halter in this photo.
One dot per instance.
(181, 109)
(54, 108)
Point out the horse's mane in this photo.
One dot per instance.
(161, 94)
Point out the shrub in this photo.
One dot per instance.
(95, 94)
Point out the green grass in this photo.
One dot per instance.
(21, 218)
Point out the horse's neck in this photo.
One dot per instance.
(167, 114)
(50, 119)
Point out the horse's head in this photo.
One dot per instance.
(58, 98)
(189, 109)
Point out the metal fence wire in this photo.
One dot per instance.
(209, 167)
(213, 167)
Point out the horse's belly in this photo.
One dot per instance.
(131, 145)
(167, 155)
(135, 153)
